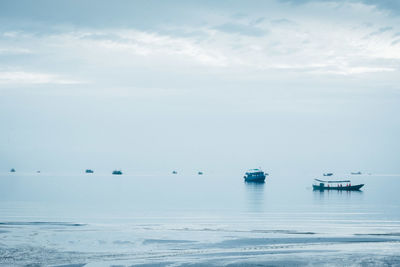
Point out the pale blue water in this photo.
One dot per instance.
(187, 219)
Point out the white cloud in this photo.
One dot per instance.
(352, 70)
(14, 51)
(130, 43)
(317, 41)
(296, 48)
(21, 77)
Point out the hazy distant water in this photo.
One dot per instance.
(184, 219)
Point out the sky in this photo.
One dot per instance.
(308, 86)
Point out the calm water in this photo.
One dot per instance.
(186, 219)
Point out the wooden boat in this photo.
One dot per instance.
(336, 185)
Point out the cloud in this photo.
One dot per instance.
(114, 54)
(14, 51)
(392, 6)
(257, 21)
(318, 41)
(239, 15)
(395, 42)
(151, 44)
(282, 22)
(21, 77)
(353, 70)
(235, 28)
(380, 31)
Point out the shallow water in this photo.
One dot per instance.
(186, 219)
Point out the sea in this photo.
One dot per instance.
(186, 219)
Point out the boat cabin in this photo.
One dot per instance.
(333, 183)
(254, 172)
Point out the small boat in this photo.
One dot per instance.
(355, 173)
(89, 171)
(328, 174)
(200, 173)
(174, 172)
(255, 175)
(37, 171)
(117, 172)
(12, 170)
(336, 185)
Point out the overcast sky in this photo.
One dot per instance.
(212, 85)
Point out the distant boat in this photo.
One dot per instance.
(117, 172)
(12, 170)
(336, 185)
(200, 173)
(255, 175)
(89, 171)
(355, 173)
(37, 171)
(174, 172)
(328, 174)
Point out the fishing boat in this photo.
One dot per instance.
(356, 173)
(12, 170)
(200, 173)
(174, 172)
(89, 171)
(255, 175)
(336, 185)
(117, 172)
(328, 174)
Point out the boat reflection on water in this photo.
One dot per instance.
(336, 192)
(255, 196)
(336, 195)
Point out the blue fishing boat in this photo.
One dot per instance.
(255, 175)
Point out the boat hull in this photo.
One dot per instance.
(340, 188)
(258, 179)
